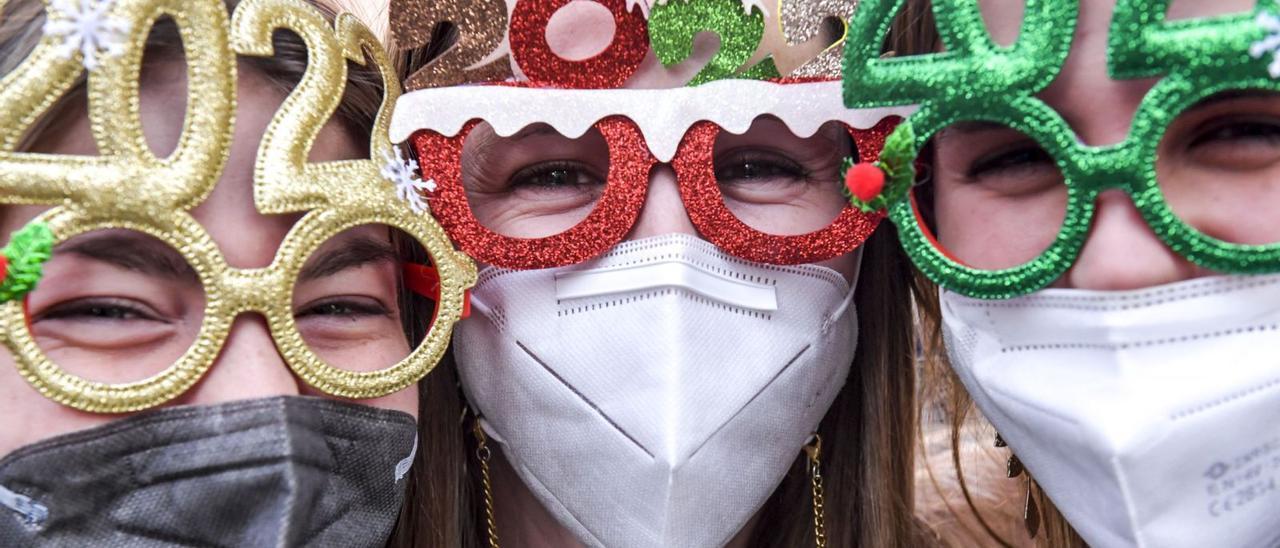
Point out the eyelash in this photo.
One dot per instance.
(1237, 129)
(93, 310)
(786, 166)
(349, 307)
(1021, 157)
(524, 178)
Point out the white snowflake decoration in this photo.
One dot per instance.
(1271, 44)
(646, 5)
(86, 26)
(403, 173)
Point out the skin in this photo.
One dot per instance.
(93, 340)
(521, 518)
(999, 220)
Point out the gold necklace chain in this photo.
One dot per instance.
(483, 454)
(814, 451)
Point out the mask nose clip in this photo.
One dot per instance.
(33, 513)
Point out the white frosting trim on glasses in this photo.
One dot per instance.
(663, 115)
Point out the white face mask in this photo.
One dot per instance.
(1150, 418)
(657, 395)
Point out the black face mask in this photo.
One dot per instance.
(284, 471)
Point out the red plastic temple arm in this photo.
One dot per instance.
(425, 281)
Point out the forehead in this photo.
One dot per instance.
(1098, 107)
(1004, 17)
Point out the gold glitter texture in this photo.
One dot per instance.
(802, 21)
(129, 187)
(481, 25)
(613, 217)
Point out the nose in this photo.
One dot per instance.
(663, 211)
(1123, 253)
(248, 367)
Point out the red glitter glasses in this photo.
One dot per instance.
(474, 195)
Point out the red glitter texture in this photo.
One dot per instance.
(614, 215)
(619, 207)
(695, 170)
(607, 70)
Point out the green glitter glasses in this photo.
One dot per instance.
(1018, 171)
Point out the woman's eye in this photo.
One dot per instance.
(1011, 162)
(343, 309)
(555, 175)
(1235, 142)
(99, 310)
(758, 168)
(1251, 131)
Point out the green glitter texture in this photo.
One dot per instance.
(977, 80)
(28, 250)
(672, 27)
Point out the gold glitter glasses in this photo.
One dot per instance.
(128, 189)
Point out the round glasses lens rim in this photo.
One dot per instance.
(69, 389)
(471, 235)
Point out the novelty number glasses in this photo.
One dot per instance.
(623, 135)
(128, 192)
(1039, 199)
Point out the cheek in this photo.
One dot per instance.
(40, 417)
(964, 233)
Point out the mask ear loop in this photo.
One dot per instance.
(848, 298)
(33, 513)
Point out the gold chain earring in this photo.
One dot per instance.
(483, 454)
(814, 452)
(1030, 510)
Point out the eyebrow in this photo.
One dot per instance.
(486, 140)
(968, 128)
(486, 145)
(534, 131)
(133, 252)
(1231, 95)
(357, 252)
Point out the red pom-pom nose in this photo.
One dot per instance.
(866, 181)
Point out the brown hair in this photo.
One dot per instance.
(997, 512)
(868, 434)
